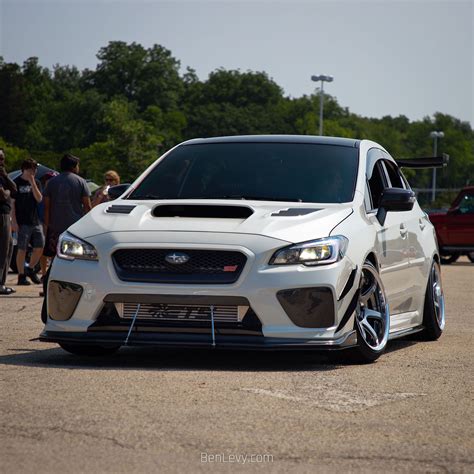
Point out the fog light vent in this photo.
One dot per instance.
(63, 298)
(308, 307)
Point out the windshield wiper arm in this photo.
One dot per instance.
(227, 196)
(147, 196)
(245, 197)
(266, 198)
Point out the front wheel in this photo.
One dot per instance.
(372, 319)
(433, 311)
(89, 350)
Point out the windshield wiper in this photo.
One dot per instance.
(247, 197)
(147, 196)
(227, 196)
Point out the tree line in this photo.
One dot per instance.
(136, 104)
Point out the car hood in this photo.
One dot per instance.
(291, 222)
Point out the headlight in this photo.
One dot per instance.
(314, 252)
(71, 247)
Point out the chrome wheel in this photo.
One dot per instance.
(372, 315)
(438, 296)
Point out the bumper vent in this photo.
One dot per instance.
(120, 209)
(309, 307)
(179, 265)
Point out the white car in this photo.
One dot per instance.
(252, 242)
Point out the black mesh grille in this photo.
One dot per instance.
(203, 266)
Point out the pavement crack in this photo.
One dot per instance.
(39, 434)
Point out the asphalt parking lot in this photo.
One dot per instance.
(146, 410)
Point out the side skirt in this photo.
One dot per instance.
(404, 332)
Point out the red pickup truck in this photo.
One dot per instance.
(455, 228)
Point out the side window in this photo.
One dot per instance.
(377, 184)
(466, 206)
(394, 176)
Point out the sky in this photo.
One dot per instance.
(403, 57)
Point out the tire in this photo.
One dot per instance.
(470, 256)
(44, 311)
(372, 317)
(89, 350)
(448, 258)
(433, 310)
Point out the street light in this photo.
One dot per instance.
(323, 79)
(435, 135)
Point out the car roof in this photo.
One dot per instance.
(307, 139)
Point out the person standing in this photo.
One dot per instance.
(7, 187)
(44, 261)
(66, 200)
(26, 222)
(111, 178)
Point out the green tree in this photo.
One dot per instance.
(145, 76)
(128, 144)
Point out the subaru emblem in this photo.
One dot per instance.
(177, 258)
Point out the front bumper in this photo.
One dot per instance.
(259, 283)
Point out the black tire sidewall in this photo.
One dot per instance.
(449, 258)
(430, 321)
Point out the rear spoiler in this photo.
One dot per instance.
(429, 162)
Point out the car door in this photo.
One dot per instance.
(414, 224)
(392, 239)
(461, 221)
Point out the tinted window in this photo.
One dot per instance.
(273, 171)
(376, 185)
(466, 206)
(393, 174)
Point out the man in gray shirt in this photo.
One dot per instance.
(66, 200)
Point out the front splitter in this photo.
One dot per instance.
(105, 338)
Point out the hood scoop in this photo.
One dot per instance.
(202, 211)
(295, 211)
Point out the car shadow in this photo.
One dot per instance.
(153, 358)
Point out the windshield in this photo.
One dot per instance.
(258, 171)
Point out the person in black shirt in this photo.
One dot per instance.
(26, 221)
(7, 186)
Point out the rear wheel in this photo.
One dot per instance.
(433, 312)
(89, 350)
(447, 258)
(470, 256)
(372, 320)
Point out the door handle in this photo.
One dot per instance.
(422, 224)
(403, 230)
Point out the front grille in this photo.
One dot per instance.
(174, 312)
(202, 266)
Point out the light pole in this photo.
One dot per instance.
(435, 135)
(323, 79)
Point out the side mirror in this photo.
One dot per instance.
(116, 191)
(395, 200)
